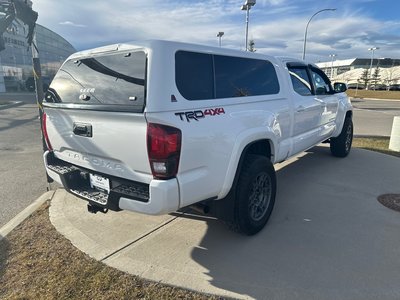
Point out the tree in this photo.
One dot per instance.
(389, 78)
(375, 77)
(251, 46)
(364, 78)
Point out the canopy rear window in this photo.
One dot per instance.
(202, 76)
(112, 81)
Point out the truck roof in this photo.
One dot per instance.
(163, 44)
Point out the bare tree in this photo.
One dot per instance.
(251, 46)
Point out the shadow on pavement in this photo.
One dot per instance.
(16, 123)
(327, 237)
(24, 97)
(11, 105)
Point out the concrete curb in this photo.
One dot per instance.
(368, 136)
(18, 219)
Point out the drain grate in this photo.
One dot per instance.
(391, 201)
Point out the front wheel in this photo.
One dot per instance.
(341, 145)
(255, 194)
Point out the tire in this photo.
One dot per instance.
(341, 145)
(255, 195)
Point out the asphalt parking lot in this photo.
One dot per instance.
(328, 237)
(22, 173)
(374, 117)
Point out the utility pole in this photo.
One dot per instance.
(37, 74)
(333, 57)
(370, 67)
(246, 6)
(306, 31)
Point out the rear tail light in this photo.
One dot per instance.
(164, 149)
(44, 130)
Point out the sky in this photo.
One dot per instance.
(276, 26)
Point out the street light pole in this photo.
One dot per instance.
(219, 35)
(308, 23)
(247, 5)
(333, 57)
(247, 25)
(370, 67)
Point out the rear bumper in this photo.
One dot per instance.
(158, 197)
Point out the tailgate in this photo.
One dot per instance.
(117, 145)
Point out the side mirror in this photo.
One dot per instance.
(339, 87)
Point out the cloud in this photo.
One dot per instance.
(69, 23)
(273, 2)
(277, 26)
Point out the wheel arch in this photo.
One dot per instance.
(256, 147)
(261, 146)
(340, 122)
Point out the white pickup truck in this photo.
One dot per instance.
(157, 126)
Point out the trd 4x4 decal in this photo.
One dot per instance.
(199, 114)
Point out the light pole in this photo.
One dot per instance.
(219, 35)
(370, 67)
(247, 5)
(333, 57)
(305, 34)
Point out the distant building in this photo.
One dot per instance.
(341, 66)
(16, 72)
(351, 70)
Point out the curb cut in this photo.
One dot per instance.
(18, 219)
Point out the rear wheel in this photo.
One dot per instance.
(255, 195)
(341, 145)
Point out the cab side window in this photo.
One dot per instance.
(321, 82)
(300, 80)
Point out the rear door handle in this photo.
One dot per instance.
(82, 129)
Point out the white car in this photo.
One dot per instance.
(157, 126)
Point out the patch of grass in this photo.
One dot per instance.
(39, 263)
(378, 144)
(374, 94)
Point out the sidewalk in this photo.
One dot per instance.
(328, 237)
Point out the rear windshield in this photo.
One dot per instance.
(115, 82)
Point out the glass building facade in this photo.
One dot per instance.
(16, 71)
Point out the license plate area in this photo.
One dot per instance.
(99, 183)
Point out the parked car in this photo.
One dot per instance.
(378, 87)
(157, 126)
(394, 87)
(355, 86)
